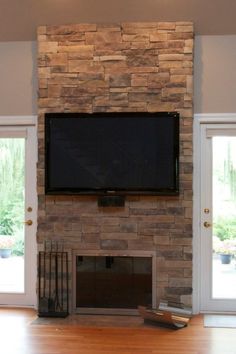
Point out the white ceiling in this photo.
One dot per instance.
(19, 19)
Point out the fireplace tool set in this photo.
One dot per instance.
(53, 278)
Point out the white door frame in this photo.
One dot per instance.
(219, 118)
(29, 122)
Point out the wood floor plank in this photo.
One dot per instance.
(22, 333)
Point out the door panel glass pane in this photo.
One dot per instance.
(224, 218)
(12, 206)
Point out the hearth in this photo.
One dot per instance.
(114, 282)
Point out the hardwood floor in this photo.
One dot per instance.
(22, 333)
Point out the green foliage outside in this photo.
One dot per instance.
(12, 191)
(6, 222)
(225, 228)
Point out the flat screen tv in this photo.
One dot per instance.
(112, 153)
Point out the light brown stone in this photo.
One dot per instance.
(120, 80)
(81, 66)
(54, 91)
(122, 68)
(41, 30)
(170, 57)
(187, 28)
(71, 29)
(109, 27)
(57, 59)
(79, 51)
(119, 99)
(139, 80)
(101, 38)
(112, 58)
(140, 57)
(161, 106)
(173, 91)
(135, 38)
(137, 25)
(158, 37)
(179, 35)
(170, 64)
(47, 47)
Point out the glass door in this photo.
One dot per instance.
(17, 216)
(218, 218)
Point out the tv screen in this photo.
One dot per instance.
(120, 153)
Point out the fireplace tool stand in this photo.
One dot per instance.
(53, 279)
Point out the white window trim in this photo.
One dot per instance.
(18, 120)
(11, 122)
(209, 118)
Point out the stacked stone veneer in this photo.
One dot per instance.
(121, 67)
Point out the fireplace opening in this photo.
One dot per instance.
(113, 282)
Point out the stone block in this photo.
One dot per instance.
(77, 51)
(71, 29)
(42, 83)
(113, 244)
(181, 71)
(112, 58)
(180, 282)
(186, 299)
(102, 37)
(173, 91)
(119, 99)
(47, 47)
(89, 87)
(144, 69)
(161, 106)
(84, 66)
(140, 45)
(136, 38)
(170, 57)
(118, 236)
(158, 80)
(90, 229)
(139, 80)
(166, 26)
(170, 64)
(141, 57)
(119, 80)
(179, 36)
(54, 59)
(184, 241)
(158, 37)
(137, 28)
(69, 39)
(44, 73)
(102, 101)
(179, 291)
(141, 244)
(187, 28)
(54, 91)
(161, 240)
(41, 30)
(109, 27)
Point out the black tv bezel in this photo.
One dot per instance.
(114, 191)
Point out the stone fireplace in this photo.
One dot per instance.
(113, 281)
(121, 67)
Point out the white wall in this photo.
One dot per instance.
(214, 76)
(18, 78)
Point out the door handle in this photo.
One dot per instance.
(28, 222)
(206, 224)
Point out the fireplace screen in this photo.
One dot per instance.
(113, 282)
